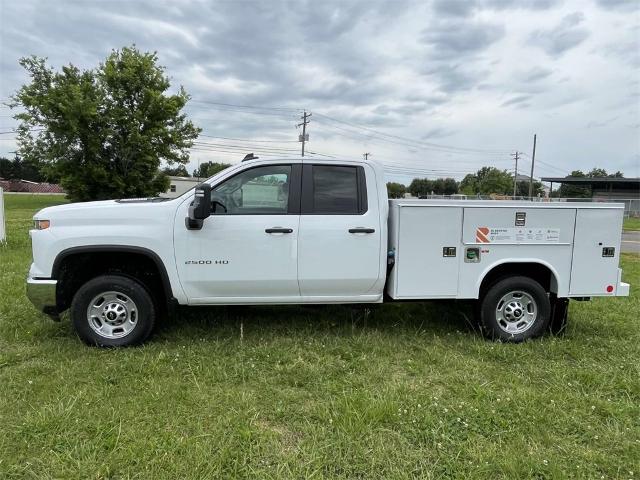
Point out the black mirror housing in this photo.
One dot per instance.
(200, 209)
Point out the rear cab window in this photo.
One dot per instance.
(334, 190)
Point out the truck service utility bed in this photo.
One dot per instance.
(444, 248)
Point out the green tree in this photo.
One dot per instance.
(18, 169)
(575, 191)
(597, 172)
(420, 187)
(445, 186)
(396, 190)
(487, 181)
(105, 131)
(6, 168)
(209, 169)
(523, 188)
(177, 171)
(469, 184)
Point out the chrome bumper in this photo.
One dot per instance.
(42, 293)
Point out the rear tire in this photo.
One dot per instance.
(113, 311)
(515, 309)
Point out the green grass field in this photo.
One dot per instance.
(407, 391)
(631, 224)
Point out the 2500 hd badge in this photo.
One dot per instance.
(206, 262)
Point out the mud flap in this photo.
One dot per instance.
(559, 315)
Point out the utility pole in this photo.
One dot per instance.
(516, 156)
(533, 160)
(365, 155)
(304, 137)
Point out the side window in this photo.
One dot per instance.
(337, 190)
(261, 190)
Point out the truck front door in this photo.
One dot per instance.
(339, 243)
(247, 251)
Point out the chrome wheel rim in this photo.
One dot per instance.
(516, 312)
(112, 314)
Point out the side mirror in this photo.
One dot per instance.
(200, 208)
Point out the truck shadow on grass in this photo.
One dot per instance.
(439, 318)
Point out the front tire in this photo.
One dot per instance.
(113, 311)
(515, 309)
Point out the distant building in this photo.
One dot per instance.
(179, 185)
(607, 189)
(27, 186)
(525, 178)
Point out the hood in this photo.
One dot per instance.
(103, 208)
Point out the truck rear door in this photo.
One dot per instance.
(596, 251)
(339, 241)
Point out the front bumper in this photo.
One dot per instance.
(42, 293)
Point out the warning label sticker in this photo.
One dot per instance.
(517, 235)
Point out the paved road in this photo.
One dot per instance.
(631, 242)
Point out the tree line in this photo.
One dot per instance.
(492, 181)
(205, 170)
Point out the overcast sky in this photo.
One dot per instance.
(428, 88)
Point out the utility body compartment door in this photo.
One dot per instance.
(593, 269)
(423, 268)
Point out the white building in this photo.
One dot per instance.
(179, 185)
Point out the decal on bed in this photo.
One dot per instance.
(517, 235)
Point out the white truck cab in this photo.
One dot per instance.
(294, 231)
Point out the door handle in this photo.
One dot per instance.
(278, 230)
(362, 230)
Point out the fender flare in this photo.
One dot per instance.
(498, 263)
(153, 256)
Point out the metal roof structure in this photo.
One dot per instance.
(594, 180)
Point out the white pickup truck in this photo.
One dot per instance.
(300, 232)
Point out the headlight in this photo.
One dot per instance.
(41, 224)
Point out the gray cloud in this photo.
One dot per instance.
(563, 37)
(452, 78)
(455, 8)
(535, 74)
(436, 132)
(451, 39)
(625, 5)
(523, 4)
(516, 101)
(412, 68)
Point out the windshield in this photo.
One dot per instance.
(206, 180)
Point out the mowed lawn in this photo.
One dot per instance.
(631, 224)
(402, 391)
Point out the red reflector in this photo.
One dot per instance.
(609, 288)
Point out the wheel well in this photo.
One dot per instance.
(536, 271)
(73, 269)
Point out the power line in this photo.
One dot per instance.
(373, 138)
(418, 142)
(254, 107)
(244, 147)
(248, 139)
(377, 135)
